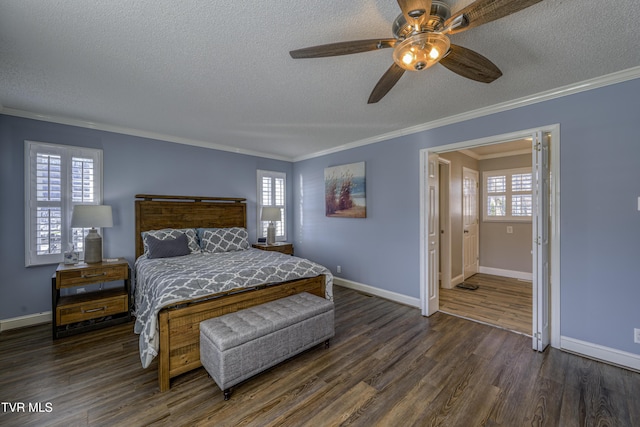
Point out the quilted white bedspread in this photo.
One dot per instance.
(163, 282)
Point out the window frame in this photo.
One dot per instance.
(65, 204)
(508, 193)
(261, 225)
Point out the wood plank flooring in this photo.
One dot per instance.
(499, 301)
(387, 366)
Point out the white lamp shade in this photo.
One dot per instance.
(271, 214)
(87, 216)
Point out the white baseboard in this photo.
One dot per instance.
(601, 353)
(24, 321)
(506, 273)
(393, 296)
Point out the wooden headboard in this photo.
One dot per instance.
(155, 212)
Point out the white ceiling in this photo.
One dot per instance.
(218, 73)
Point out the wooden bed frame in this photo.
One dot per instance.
(179, 338)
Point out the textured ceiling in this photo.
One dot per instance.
(219, 73)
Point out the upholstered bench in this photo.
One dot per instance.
(236, 346)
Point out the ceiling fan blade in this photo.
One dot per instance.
(416, 12)
(386, 82)
(342, 48)
(470, 64)
(483, 11)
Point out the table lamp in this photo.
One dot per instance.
(92, 216)
(271, 214)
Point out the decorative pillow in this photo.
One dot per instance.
(172, 233)
(167, 248)
(223, 239)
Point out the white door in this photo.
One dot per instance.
(433, 235)
(470, 242)
(541, 218)
(445, 225)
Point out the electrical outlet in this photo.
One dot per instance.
(339, 269)
(636, 335)
(509, 229)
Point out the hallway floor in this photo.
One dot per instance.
(499, 301)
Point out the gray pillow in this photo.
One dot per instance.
(171, 233)
(167, 248)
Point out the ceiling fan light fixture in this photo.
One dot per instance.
(420, 51)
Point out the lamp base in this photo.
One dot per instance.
(92, 247)
(271, 234)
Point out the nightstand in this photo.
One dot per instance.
(80, 312)
(284, 247)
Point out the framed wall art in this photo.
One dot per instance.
(344, 190)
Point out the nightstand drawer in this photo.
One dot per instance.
(91, 309)
(86, 276)
(285, 249)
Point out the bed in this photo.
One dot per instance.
(175, 329)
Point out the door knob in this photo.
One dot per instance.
(466, 231)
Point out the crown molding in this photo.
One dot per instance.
(469, 153)
(136, 132)
(606, 80)
(595, 83)
(476, 156)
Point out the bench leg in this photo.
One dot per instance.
(227, 394)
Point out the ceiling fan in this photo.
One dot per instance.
(420, 41)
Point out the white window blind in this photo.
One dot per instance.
(57, 177)
(496, 188)
(521, 194)
(507, 195)
(272, 192)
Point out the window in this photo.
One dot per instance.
(508, 195)
(57, 177)
(272, 192)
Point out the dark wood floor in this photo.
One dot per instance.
(387, 366)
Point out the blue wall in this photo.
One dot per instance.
(599, 224)
(132, 165)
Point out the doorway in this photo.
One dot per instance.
(546, 269)
(498, 290)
